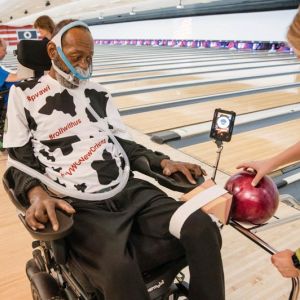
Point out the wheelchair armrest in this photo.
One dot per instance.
(48, 234)
(177, 181)
(65, 221)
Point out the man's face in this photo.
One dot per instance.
(3, 50)
(78, 47)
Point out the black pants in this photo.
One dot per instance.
(113, 240)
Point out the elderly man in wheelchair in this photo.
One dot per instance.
(70, 154)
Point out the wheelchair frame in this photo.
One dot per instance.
(51, 276)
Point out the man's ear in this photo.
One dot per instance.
(51, 49)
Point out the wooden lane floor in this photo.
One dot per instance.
(105, 59)
(255, 145)
(117, 69)
(164, 70)
(164, 119)
(125, 52)
(110, 63)
(15, 249)
(172, 95)
(149, 85)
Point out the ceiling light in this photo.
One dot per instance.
(132, 13)
(180, 5)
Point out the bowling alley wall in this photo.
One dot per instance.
(258, 26)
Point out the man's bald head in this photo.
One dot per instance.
(77, 46)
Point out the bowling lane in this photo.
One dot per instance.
(186, 71)
(164, 119)
(110, 64)
(139, 100)
(255, 145)
(166, 66)
(167, 57)
(121, 53)
(149, 85)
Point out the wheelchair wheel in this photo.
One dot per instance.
(37, 255)
(178, 291)
(44, 287)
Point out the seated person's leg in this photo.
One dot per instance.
(99, 246)
(200, 239)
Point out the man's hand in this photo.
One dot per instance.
(284, 263)
(42, 209)
(190, 170)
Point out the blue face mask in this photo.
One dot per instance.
(57, 41)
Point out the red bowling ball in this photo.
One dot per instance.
(254, 205)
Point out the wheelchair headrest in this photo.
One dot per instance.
(33, 54)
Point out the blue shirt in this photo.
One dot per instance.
(3, 84)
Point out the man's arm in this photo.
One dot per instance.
(160, 161)
(134, 150)
(22, 181)
(41, 207)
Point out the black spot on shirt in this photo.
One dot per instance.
(106, 155)
(64, 144)
(57, 181)
(47, 155)
(27, 84)
(90, 116)
(80, 187)
(122, 163)
(57, 169)
(107, 170)
(30, 120)
(61, 102)
(98, 101)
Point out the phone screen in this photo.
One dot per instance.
(222, 125)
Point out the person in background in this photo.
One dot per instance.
(44, 26)
(6, 76)
(293, 34)
(287, 261)
(7, 79)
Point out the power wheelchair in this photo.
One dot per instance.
(52, 274)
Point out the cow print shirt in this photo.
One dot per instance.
(67, 140)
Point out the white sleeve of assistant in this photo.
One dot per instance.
(114, 119)
(17, 133)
